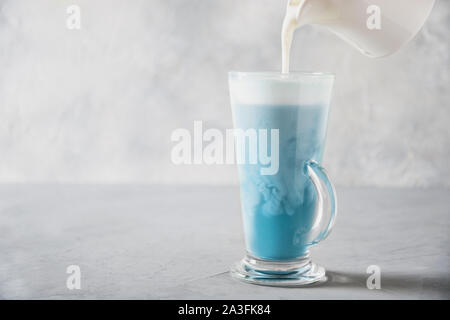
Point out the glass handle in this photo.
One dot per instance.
(326, 209)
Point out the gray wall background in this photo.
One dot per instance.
(99, 104)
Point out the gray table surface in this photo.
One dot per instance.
(163, 242)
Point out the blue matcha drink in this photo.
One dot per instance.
(279, 210)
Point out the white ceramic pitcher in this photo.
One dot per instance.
(375, 27)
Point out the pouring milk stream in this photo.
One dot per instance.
(375, 27)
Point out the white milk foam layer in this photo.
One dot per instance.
(279, 89)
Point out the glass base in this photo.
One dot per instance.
(290, 273)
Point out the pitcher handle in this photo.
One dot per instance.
(326, 200)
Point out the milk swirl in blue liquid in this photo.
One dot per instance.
(278, 210)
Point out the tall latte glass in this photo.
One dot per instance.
(288, 203)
